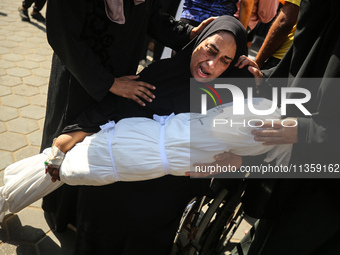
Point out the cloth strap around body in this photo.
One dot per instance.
(107, 126)
(162, 120)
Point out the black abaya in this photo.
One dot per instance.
(123, 218)
(304, 214)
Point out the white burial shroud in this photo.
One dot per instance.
(139, 149)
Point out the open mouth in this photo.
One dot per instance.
(202, 72)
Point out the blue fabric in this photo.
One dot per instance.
(199, 10)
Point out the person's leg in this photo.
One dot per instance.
(27, 4)
(23, 10)
(38, 5)
(35, 14)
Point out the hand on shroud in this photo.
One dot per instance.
(223, 159)
(273, 132)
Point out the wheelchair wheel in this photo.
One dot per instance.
(222, 228)
(188, 226)
(206, 223)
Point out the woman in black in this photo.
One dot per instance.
(302, 215)
(142, 217)
(91, 53)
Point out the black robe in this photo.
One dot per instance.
(139, 217)
(302, 216)
(89, 52)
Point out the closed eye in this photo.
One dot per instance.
(211, 50)
(226, 61)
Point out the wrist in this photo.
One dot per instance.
(113, 87)
(259, 62)
(55, 157)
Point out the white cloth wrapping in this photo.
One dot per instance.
(139, 151)
(25, 182)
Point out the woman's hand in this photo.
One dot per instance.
(252, 67)
(197, 30)
(272, 133)
(128, 87)
(227, 159)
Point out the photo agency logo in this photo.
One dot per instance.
(226, 115)
(204, 97)
(242, 100)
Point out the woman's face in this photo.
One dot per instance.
(212, 56)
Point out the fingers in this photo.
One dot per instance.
(143, 93)
(252, 68)
(222, 156)
(138, 100)
(53, 172)
(269, 124)
(241, 61)
(274, 125)
(201, 174)
(268, 136)
(146, 85)
(132, 77)
(269, 140)
(128, 87)
(207, 22)
(225, 160)
(266, 132)
(256, 73)
(144, 88)
(274, 132)
(197, 174)
(197, 30)
(245, 61)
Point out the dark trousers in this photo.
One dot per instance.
(38, 4)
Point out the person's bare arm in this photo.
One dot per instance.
(246, 7)
(278, 32)
(67, 141)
